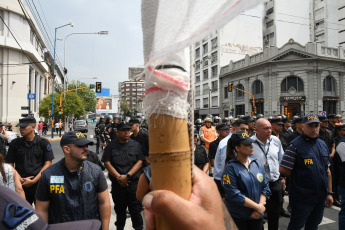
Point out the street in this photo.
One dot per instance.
(329, 222)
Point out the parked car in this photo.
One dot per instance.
(80, 125)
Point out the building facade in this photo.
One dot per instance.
(328, 18)
(291, 80)
(236, 39)
(284, 20)
(25, 64)
(134, 93)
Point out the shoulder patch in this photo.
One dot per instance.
(260, 177)
(49, 147)
(88, 186)
(56, 179)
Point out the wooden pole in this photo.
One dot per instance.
(170, 158)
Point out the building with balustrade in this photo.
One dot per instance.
(293, 79)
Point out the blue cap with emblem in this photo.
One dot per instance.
(241, 137)
(17, 213)
(76, 138)
(310, 118)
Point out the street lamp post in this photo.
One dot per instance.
(69, 24)
(64, 54)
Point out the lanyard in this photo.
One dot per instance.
(268, 149)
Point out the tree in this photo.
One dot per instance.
(87, 96)
(124, 106)
(71, 105)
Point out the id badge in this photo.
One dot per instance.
(267, 168)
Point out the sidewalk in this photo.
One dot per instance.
(56, 136)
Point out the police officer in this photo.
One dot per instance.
(246, 188)
(287, 130)
(109, 131)
(306, 161)
(140, 136)
(30, 155)
(297, 130)
(73, 188)
(332, 119)
(3, 139)
(277, 128)
(223, 131)
(200, 157)
(340, 148)
(123, 158)
(269, 152)
(251, 124)
(98, 131)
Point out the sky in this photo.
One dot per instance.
(106, 57)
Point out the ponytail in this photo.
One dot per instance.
(230, 151)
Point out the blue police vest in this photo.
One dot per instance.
(309, 178)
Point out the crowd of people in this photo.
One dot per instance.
(254, 163)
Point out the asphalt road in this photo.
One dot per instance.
(329, 222)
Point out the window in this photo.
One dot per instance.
(214, 43)
(214, 57)
(329, 86)
(292, 82)
(226, 92)
(239, 93)
(205, 48)
(258, 88)
(214, 71)
(239, 109)
(205, 61)
(215, 101)
(197, 53)
(269, 24)
(205, 72)
(197, 65)
(197, 90)
(214, 85)
(32, 37)
(205, 103)
(205, 88)
(197, 104)
(197, 77)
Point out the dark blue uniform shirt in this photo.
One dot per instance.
(239, 183)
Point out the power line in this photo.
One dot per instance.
(254, 16)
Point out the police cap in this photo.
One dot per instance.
(76, 138)
(331, 116)
(26, 121)
(310, 118)
(323, 118)
(133, 121)
(241, 137)
(338, 127)
(123, 125)
(277, 121)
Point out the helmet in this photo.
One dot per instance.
(225, 119)
(198, 121)
(207, 119)
(216, 118)
(117, 116)
(230, 118)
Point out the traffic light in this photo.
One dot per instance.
(230, 87)
(60, 110)
(285, 111)
(252, 113)
(98, 87)
(255, 110)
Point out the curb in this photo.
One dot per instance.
(54, 139)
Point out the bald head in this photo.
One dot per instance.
(263, 129)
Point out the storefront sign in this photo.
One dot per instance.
(293, 98)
